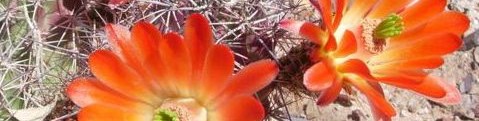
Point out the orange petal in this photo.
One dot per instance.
(291, 25)
(452, 97)
(357, 11)
(400, 78)
(426, 85)
(399, 81)
(119, 37)
(145, 38)
(218, 68)
(319, 77)
(434, 45)
(158, 74)
(347, 45)
(134, 51)
(387, 7)
(199, 38)
(88, 91)
(330, 94)
(241, 108)
(100, 112)
(341, 6)
(406, 36)
(446, 22)
(177, 61)
(377, 113)
(431, 87)
(412, 64)
(375, 109)
(115, 3)
(372, 94)
(314, 33)
(250, 79)
(357, 67)
(111, 71)
(324, 7)
(422, 11)
(449, 21)
(331, 44)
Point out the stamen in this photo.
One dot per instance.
(375, 32)
(180, 109)
(372, 44)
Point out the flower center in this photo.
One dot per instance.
(165, 115)
(180, 109)
(376, 31)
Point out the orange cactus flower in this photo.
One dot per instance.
(153, 76)
(381, 41)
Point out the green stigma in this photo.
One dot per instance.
(165, 115)
(389, 27)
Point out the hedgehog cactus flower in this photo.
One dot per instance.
(164, 77)
(381, 41)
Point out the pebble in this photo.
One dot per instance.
(473, 38)
(476, 111)
(356, 115)
(466, 85)
(423, 111)
(476, 54)
(465, 115)
(446, 118)
(457, 118)
(344, 100)
(405, 113)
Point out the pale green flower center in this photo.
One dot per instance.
(180, 109)
(165, 115)
(392, 26)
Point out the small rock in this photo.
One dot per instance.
(344, 100)
(476, 111)
(405, 113)
(423, 111)
(356, 115)
(435, 104)
(475, 54)
(446, 119)
(466, 85)
(471, 40)
(457, 118)
(474, 65)
(298, 119)
(468, 115)
(475, 87)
